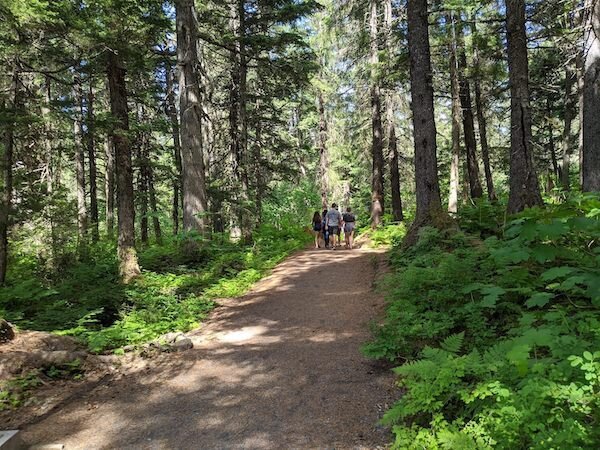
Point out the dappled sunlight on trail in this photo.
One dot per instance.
(277, 368)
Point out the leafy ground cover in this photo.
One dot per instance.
(178, 287)
(16, 391)
(497, 331)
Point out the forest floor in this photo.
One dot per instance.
(278, 368)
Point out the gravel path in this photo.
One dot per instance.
(278, 368)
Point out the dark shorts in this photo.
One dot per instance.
(317, 228)
(334, 230)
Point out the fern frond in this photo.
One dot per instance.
(453, 343)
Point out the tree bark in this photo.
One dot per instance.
(426, 175)
(258, 162)
(153, 203)
(566, 134)
(552, 151)
(591, 99)
(91, 151)
(172, 113)
(238, 120)
(79, 165)
(142, 191)
(580, 83)
(397, 213)
(6, 162)
(50, 172)
(192, 159)
(475, 188)
(524, 187)
(246, 217)
(323, 164)
(109, 184)
(128, 262)
(456, 118)
(377, 193)
(481, 120)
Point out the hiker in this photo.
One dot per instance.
(349, 221)
(334, 222)
(317, 227)
(324, 230)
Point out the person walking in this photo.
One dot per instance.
(316, 228)
(333, 224)
(349, 224)
(324, 230)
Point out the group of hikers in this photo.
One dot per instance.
(327, 227)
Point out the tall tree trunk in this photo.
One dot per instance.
(172, 113)
(234, 119)
(128, 262)
(238, 120)
(524, 187)
(48, 136)
(566, 134)
(475, 188)
(243, 164)
(552, 151)
(591, 99)
(377, 193)
(79, 165)
(397, 212)
(481, 120)
(192, 159)
(142, 140)
(258, 162)
(426, 176)
(6, 161)
(580, 88)
(91, 151)
(49, 148)
(456, 118)
(142, 191)
(153, 203)
(109, 184)
(323, 160)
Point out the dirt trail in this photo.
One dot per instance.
(279, 368)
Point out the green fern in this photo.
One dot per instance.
(453, 343)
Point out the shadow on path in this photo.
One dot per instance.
(277, 368)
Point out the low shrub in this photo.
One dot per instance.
(499, 338)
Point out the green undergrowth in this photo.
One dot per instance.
(178, 287)
(388, 235)
(18, 390)
(496, 331)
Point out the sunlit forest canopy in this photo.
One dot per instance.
(156, 156)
